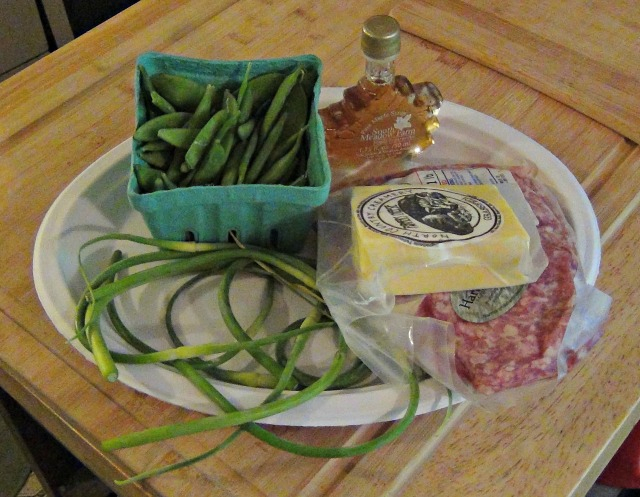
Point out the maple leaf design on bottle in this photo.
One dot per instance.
(383, 119)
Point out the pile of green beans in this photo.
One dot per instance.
(197, 134)
(201, 260)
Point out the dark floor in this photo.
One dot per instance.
(82, 484)
(87, 485)
(86, 14)
(604, 491)
(52, 465)
(34, 464)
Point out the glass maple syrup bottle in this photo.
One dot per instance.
(382, 120)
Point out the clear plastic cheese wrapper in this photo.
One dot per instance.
(418, 239)
(491, 344)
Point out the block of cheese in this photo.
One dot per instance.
(416, 239)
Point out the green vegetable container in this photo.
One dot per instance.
(276, 216)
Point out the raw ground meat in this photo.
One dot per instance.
(520, 346)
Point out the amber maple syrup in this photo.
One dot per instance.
(383, 119)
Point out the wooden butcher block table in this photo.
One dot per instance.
(65, 111)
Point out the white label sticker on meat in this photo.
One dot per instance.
(480, 306)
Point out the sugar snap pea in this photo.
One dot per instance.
(182, 92)
(258, 163)
(156, 158)
(178, 137)
(203, 112)
(278, 101)
(232, 167)
(213, 164)
(253, 136)
(300, 174)
(290, 171)
(282, 169)
(228, 126)
(230, 103)
(263, 88)
(216, 157)
(162, 103)
(168, 184)
(204, 138)
(285, 145)
(155, 145)
(146, 87)
(247, 155)
(246, 128)
(246, 106)
(187, 179)
(145, 80)
(149, 179)
(148, 131)
(259, 111)
(173, 171)
(297, 108)
(245, 83)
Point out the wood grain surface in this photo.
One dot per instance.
(584, 54)
(68, 109)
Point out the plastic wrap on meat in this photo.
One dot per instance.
(521, 345)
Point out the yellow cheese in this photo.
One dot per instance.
(426, 239)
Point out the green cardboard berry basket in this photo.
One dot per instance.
(275, 216)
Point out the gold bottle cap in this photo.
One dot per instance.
(380, 37)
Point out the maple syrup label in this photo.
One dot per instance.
(382, 126)
(390, 134)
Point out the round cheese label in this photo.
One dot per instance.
(426, 216)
